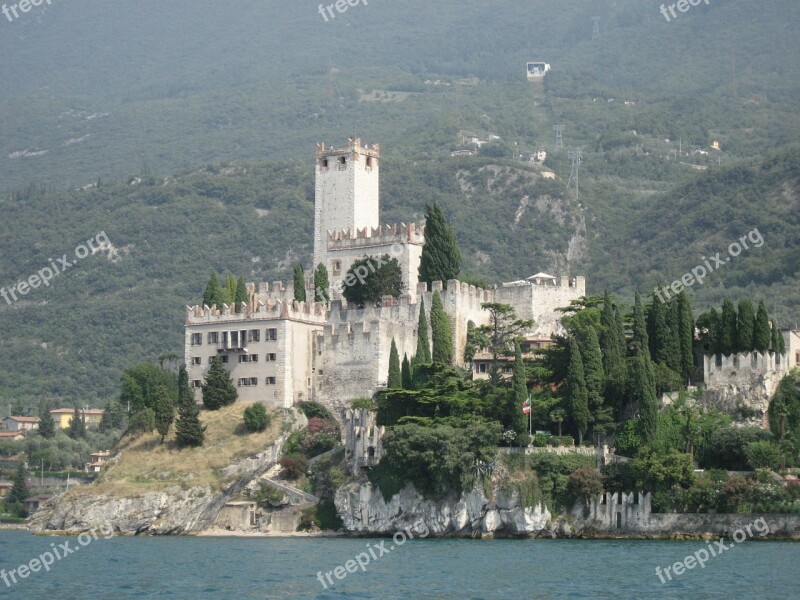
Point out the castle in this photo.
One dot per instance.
(281, 352)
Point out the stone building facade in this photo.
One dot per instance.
(281, 352)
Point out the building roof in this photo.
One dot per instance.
(23, 419)
(87, 411)
(541, 276)
(10, 434)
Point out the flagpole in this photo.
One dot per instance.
(530, 416)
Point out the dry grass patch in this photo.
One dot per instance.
(146, 465)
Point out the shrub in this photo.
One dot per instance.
(293, 465)
(540, 440)
(763, 455)
(256, 418)
(564, 440)
(315, 409)
(143, 421)
(584, 483)
(523, 440)
(727, 448)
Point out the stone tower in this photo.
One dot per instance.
(346, 195)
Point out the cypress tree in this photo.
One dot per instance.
(106, 421)
(77, 425)
(673, 342)
(218, 388)
(520, 384)
(321, 284)
(440, 330)
(188, 430)
(423, 355)
(780, 342)
(395, 379)
(441, 258)
(643, 394)
(299, 284)
(593, 376)
(47, 424)
(715, 332)
(641, 340)
(762, 337)
(164, 411)
(229, 289)
(405, 374)
(728, 335)
(213, 295)
(745, 321)
(686, 336)
(242, 296)
(612, 345)
(14, 502)
(577, 396)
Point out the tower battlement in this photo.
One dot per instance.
(398, 233)
(312, 312)
(353, 148)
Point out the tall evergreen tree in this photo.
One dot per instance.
(218, 388)
(600, 412)
(762, 336)
(520, 383)
(405, 373)
(641, 340)
(780, 342)
(441, 258)
(106, 421)
(47, 424)
(745, 321)
(395, 379)
(322, 285)
(613, 347)
(14, 502)
(643, 394)
(188, 430)
(715, 332)
(213, 295)
(577, 396)
(229, 289)
(686, 336)
(423, 355)
(299, 284)
(728, 327)
(673, 342)
(164, 412)
(242, 295)
(441, 334)
(77, 425)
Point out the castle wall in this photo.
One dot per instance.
(540, 301)
(746, 369)
(792, 348)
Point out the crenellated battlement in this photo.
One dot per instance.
(353, 147)
(398, 233)
(315, 312)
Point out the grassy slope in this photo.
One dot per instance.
(145, 465)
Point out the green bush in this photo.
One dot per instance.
(294, 466)
(540, 440)
(763, 455)
(727, 447)
(563, 440)
(256, 418)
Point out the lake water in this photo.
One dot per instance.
(242, 568)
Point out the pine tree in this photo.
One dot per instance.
(641, 340)
(299, 284)
(322, 284)
(242, 295)
(715, 332)
(440, 329)
(213, 296)
(686, 336)
(761, 332)
(591, 356)
(188, 430)
(218, 389)
(780, 346)
(727, 331)
(395, 379)
(577, 396)
(441, 258)
(229, 289)
(164, 411)
(745, 321)
(14, 502)
(77, 425)
(47, 424)
(406, 375)
(643, 394)
(423, 355)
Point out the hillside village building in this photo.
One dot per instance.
(281, 352)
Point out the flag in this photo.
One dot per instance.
(526, 407)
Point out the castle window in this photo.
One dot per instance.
(196, 360)
(197, 339)
(254, 335)
(369, 163)
(243, 358)
(272, 357)
(754, 360)
(337, 267)
(270, 381)
(213, 337)
(224, 359)
(197, 383)
(254, 358)
(324, 163)
(272, 335)
(342, 163)
(248, 381)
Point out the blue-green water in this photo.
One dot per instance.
(199, 568)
